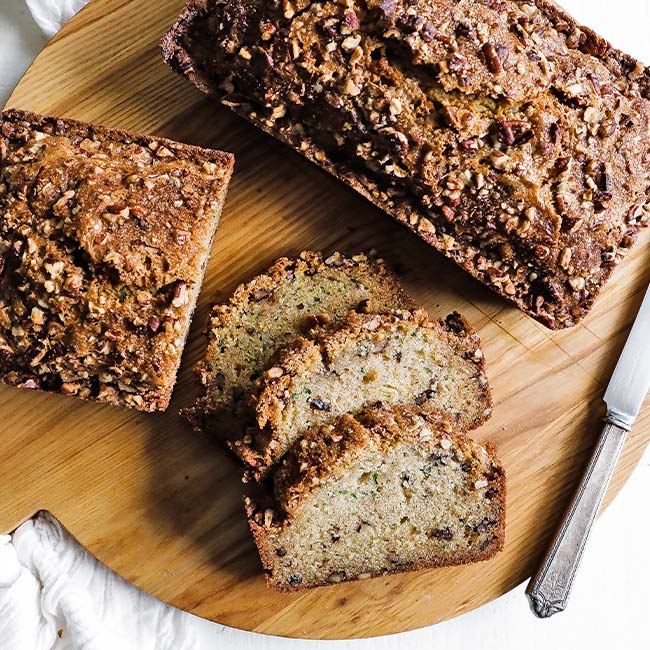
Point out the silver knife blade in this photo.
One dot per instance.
(630, 382)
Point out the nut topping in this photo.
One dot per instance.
(494, 57)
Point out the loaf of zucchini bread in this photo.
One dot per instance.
(392, 489)
(396, 357)
(509, 137)
(271, 310)
(104, 238)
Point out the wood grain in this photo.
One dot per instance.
(160, 504)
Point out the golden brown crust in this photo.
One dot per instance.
(218, 411)
(328, 451)
(260, 450)
(549, 209)
(103, 245)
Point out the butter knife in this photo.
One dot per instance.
(548, 591)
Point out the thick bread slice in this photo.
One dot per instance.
(399, 357)
(271, 310)
(104, 240)
(391, 490)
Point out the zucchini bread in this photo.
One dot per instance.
(510, 138)
(271, 310)
(104, 237)
(390, 490)
(398, 357)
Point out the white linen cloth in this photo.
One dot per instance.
(49, 583)
(54, 595)
(51, 15)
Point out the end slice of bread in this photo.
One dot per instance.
(272, 310)
(392, 489)
(397, 357)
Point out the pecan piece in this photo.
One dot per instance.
(457, 64)
(424, 396)
(153, 324)
(260, 294)
(320, 405)
(388, 7)
(554, 132)
(603, 178)
(441, 533)
(593, 44)
(484, 526)
(495, 56)
(176, 293)
(183, 236)
(514, 132)
(350, 19)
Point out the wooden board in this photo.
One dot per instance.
(162, 505)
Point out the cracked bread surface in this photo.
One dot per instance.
(392, 489)
(399, 357)
(507, 136)
(272, 310)
(104, 237)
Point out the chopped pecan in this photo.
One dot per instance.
(555, 133)
(425, 396)
(320, 405)
(428, 32)
(495, 56)
(603, 178)
(388, 7)
(441, 533)
(593, 44)
(464, 30)
(260, 294)
(514, 132)
(153, 324)
(484, 526)
(448, 212)
(470, 145)
(457, 63)
(350, 19)
(182, 236)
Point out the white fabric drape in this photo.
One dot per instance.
(49, 585)
(51, 15)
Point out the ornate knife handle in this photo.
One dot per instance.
(548, 590)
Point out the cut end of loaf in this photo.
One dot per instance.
(390, 490)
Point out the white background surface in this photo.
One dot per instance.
(610, 606)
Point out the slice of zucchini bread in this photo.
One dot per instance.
(392, 489)
(399, 357)
(104, 238)
(271, 310)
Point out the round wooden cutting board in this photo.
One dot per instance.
(162, 505)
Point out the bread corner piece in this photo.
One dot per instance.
(393, 489)
(104, 239)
